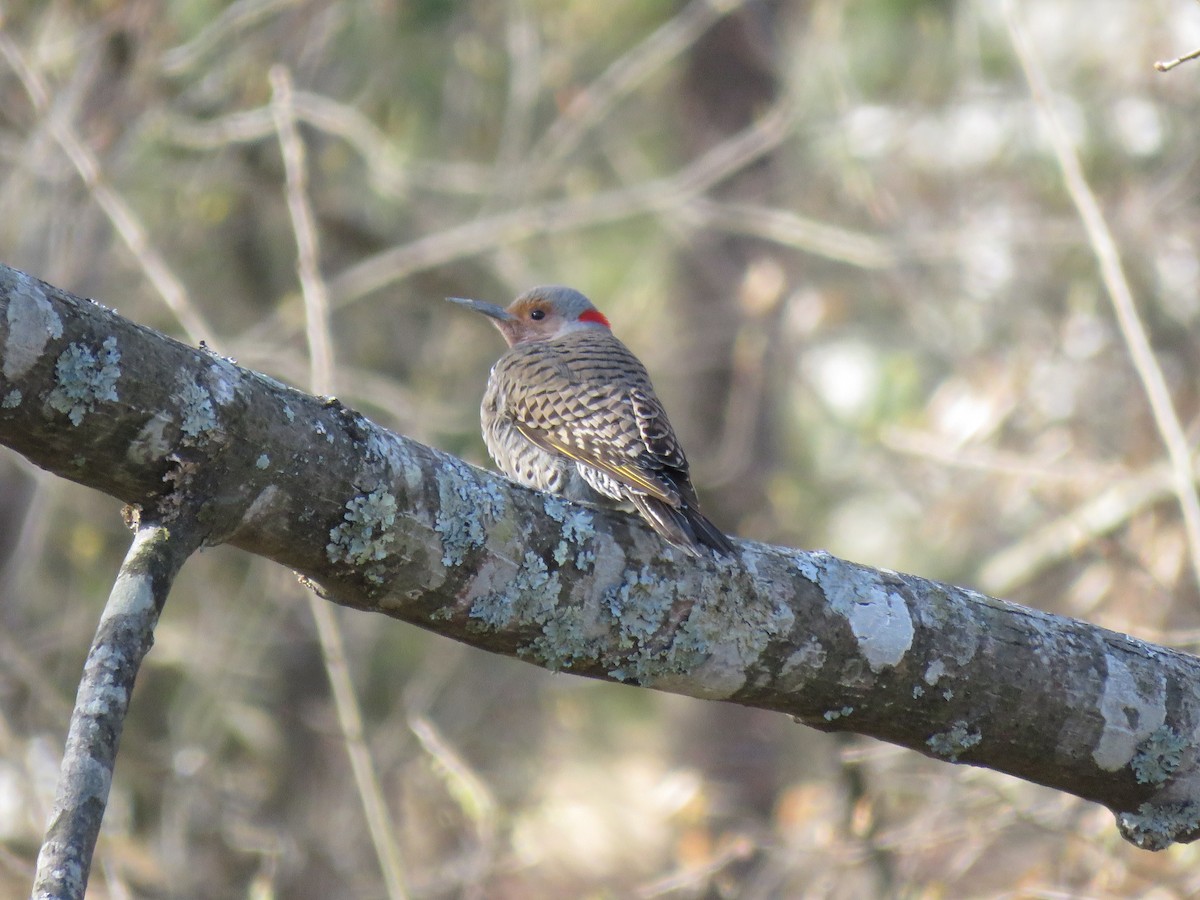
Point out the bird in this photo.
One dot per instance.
(569, 410)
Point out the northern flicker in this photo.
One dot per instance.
(570, 410)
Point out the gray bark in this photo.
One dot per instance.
(380, 523)
(123, 638)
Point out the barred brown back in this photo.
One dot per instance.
(578, 412)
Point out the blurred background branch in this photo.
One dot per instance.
(1133, 331)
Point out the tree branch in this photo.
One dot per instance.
(381, 523)
(124, 636)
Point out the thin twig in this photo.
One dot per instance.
(1178, 61)
(1104, 247)
(591, 106)
(1063, 538)
(391, 173)
(316, 297)
(791, 230)
(471, 794)
(693, 880)
(123, 637)
(524, 70)
(320, 349)
(936, 448)
(222, 31)
(490, 232)
(120, 214)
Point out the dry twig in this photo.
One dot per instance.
(1104, 247)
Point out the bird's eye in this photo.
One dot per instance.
(537, 314)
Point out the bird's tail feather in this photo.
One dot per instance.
(683, 526)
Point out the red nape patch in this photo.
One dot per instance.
(594, 315)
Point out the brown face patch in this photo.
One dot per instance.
(534, 318)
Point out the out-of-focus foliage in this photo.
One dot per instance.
(913, 364)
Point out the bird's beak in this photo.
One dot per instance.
(488, 309)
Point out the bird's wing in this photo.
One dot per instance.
(662, 444)
(628, 472)
(596, 406)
